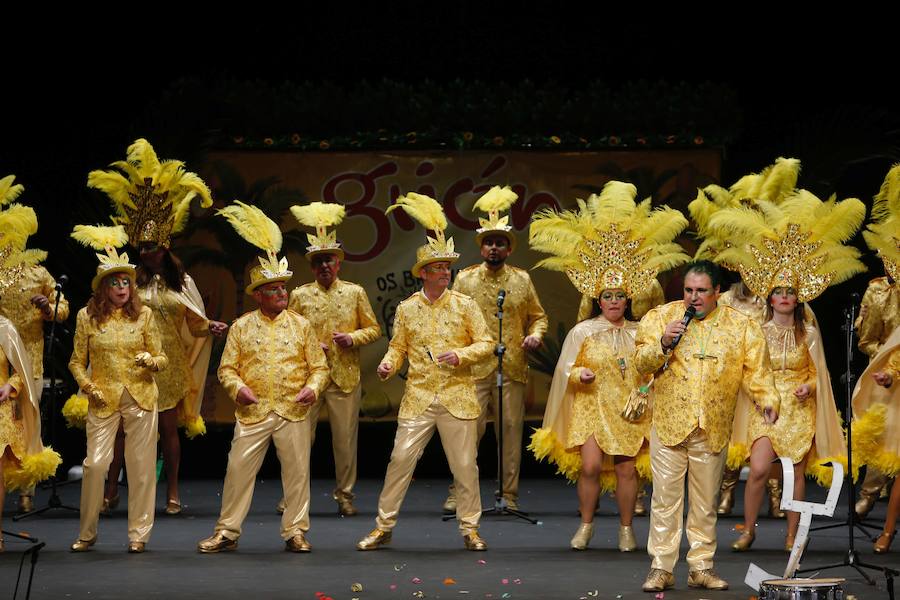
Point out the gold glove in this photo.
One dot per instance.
(145, 359)
(94, 394)
(636, 405)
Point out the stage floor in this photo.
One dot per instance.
(426, 558)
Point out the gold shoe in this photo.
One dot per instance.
(639, 508)
(449, 505)
(883, 543)
(345, 506)
(865, 503)
(743, 543)
(511, 503)
(173, 507)
(279, 508)
(298, 543)
(83, 545)
(726, 492)
(658, 580)
(706, 578)
(26, 503)
(475, 542)
(216, 543)
(374, 540)
(136, 547)
(582, 537)
(2, 549)
(774, 488)
(627, 543)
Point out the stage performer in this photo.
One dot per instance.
(611, 249)
(274, 369)
(117, 349)
(443, 334)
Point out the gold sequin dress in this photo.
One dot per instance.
(12, 428)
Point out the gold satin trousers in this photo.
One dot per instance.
(140, 462)
(703, 468)
(248, 449)
(343, 417)
(459, 438)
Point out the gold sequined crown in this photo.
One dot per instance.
(151, 198)
(321, 215)
(17, 224)
(253, 225)
(772, 184)
(610, 241)
(495, 201)
(798, 243)
(428, 212)
(883, 232)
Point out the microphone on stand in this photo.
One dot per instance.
(688, 316)
(501, 296)
(62, 281)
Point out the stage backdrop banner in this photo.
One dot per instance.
(380, 249)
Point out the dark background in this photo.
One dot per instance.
(81, 85)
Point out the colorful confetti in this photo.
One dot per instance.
(504, 581)
(356, 587)
(449, 581)
(416, 580)
(660, 596)
(399, 567)
(419, 594)
(481, 561)
(517, 581)
(393, 586)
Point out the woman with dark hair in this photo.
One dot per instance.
(178, 308)
(117, 350)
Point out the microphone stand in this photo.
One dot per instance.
(54, 501)
(500, 506)
(851, 558)
(32, 550)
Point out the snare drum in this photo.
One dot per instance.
(802, 589)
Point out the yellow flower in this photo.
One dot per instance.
(295, 139)
(698, 140)
(268, 141)
(498, 140)
(613, 140)
(324, 145)
(555, 139)
(468, 136)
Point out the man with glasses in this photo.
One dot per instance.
(274, 369)
(698, 370)
(343, 320)
(442, 334)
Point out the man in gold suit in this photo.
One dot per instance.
(274, 369)
(524, 325)
(343, 320)
(879, 316)
(698, 370)
(442, 334)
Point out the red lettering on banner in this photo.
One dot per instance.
(424, 169)
(495, 165)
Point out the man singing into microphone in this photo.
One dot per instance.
(698, 368)
(524, 324)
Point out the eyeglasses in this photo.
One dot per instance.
(119, 283)
(276, 291)
(609, 296)
(437, 269)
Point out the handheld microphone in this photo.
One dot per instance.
(501, 296)
(62, 281)
(688, 315)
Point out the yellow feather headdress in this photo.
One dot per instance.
(883, 233)
(493, 202)
(106, 239)
(253, 225)
(428, 212)
(798, 243)
(321, 215)
(151, 198)
(610, 241)
(17, 224)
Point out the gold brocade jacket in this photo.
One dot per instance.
(275, 358)
(110, 349)
(170, 313)
(344, 307)
(15, 304)
(422, 331)
(881, 303)
(523, 314)
(698, 386)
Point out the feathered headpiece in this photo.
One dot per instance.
(798, 243)
(610, 242)
(17, 223)
(883, 233)
(429, 213)
(321, 215)
(254, 226)
(106, 239)
(773, 184)
(493, 202)
(151, 198)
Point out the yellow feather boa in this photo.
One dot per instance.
(75, 411)
(193, 426)
(33, 469)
